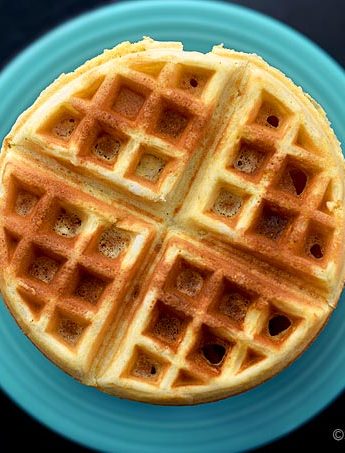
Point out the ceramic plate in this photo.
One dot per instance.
(238, 423)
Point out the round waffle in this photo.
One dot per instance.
(171, 222)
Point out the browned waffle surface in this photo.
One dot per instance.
(69, 258)
(206, 319)
(172, 222)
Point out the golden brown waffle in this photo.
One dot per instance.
(172, 223)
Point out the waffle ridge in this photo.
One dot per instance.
(172, 222)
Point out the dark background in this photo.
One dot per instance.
(21, 22)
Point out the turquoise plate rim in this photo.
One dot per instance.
(245, 421)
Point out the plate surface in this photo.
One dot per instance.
(109, 424)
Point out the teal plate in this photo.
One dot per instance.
(238, 423)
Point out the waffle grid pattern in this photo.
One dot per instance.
(69, 259)
(269, 189)
(200, 316)
(208, 317)
(137, 130)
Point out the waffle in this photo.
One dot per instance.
(172, 222)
